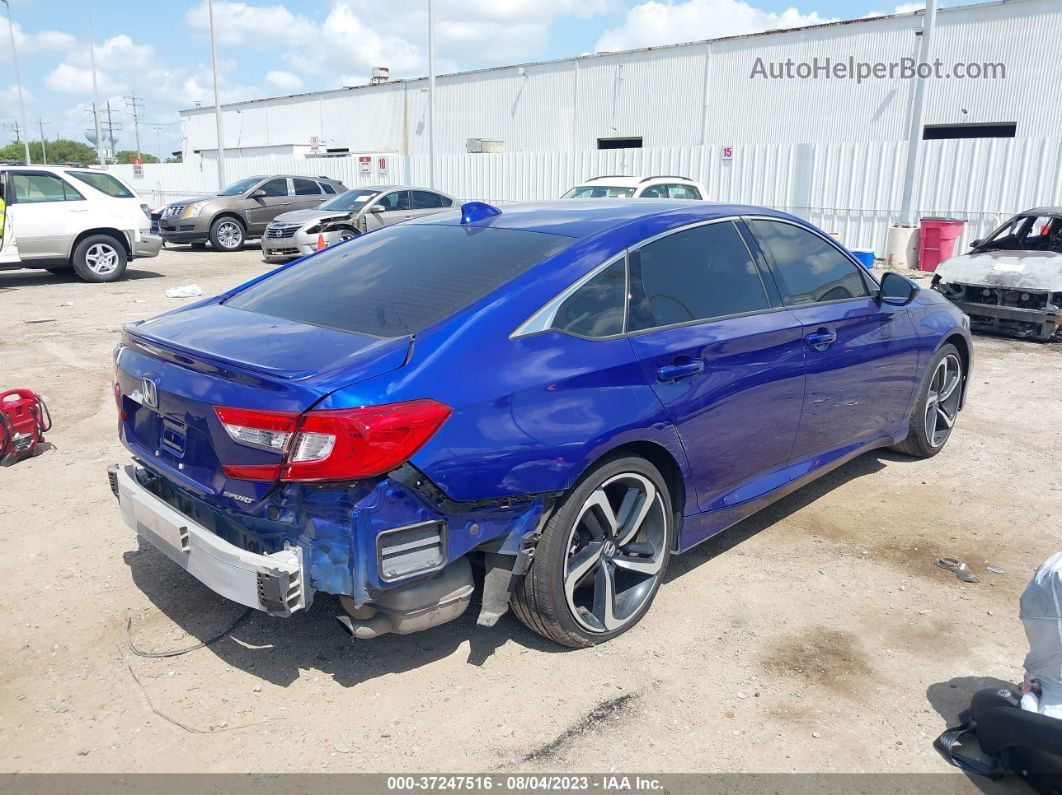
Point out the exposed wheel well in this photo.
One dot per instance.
(662, 459)
(115, 233)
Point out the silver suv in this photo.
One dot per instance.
(342, 217)
(242, 210)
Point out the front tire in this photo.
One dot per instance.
(227, 234)
(937, 408)
(601, 558)
(100, 258)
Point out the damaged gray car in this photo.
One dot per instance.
(1011, 282)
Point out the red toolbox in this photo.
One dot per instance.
(24, 419)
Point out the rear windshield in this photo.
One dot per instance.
(104, 183)
(399, 280)
(598, 192)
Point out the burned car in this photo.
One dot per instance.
(1011, 282)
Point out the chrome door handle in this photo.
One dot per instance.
(821, 340)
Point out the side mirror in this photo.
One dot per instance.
(258, 194)
(977, 243)
(377, 208)
(897, 290)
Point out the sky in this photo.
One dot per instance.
(161, 51)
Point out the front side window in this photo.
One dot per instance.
(396, 200)
(400, 279)
(810, 270)
(36, 188)
(275, 187)
(596, 308)
(306, 187)
(701, 273)
(104, 183)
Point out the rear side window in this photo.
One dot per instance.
(679, 191)
(32, 188)
(596, 308)
(810, 269)
(327, 187)
(400, 279)
(426, 200)
(695, 274)
(104, 183)
(306, 187)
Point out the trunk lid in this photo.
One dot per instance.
(174, 369)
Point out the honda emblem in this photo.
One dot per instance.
(150, 393)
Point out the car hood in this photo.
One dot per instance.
(185, 202)
(304, 216)
(1017, 270)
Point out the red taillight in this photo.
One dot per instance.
(341, 444)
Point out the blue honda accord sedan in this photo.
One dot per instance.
(542, 403)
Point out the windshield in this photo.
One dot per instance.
(242, 186)
(351, 200)
(1026, 233)
(598, 192)
(400, 279)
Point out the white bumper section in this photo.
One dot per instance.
(272, 583)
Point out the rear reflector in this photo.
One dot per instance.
(335, 445)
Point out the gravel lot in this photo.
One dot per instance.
(817, 636)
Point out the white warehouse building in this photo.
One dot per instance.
(827, 146)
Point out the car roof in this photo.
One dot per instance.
(581, 218)
(396, 187)
(621, 181)
(1043, 211)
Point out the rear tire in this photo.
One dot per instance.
(937, 407)
(227, 234)
(100, 258)
(601, 558)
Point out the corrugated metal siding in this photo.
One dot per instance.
(848, 187)
(660, 94)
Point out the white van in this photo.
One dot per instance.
(60, 218)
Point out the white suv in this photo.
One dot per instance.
(618, 187)
(60, 218)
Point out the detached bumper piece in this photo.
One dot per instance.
(273, 583)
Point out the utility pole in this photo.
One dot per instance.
(18, 81)
(95, 87)
(158, 142)
(110, 129)
(918, 116)
(136, 107)
(431, 93)
(217, 100)
(44, 146)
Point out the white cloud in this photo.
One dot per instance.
(30, 44)
(238, 23)
(117, 54)
(907, 8)
(9, 100)
(655, 23)
(69, 79)
(285, 81)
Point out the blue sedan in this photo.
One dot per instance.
(559, 395)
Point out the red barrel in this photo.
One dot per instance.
(936, 241)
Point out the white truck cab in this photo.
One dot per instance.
(622, 187)
(58, 218)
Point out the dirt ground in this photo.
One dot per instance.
(817, 636)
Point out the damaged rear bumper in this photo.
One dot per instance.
(273, 583)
